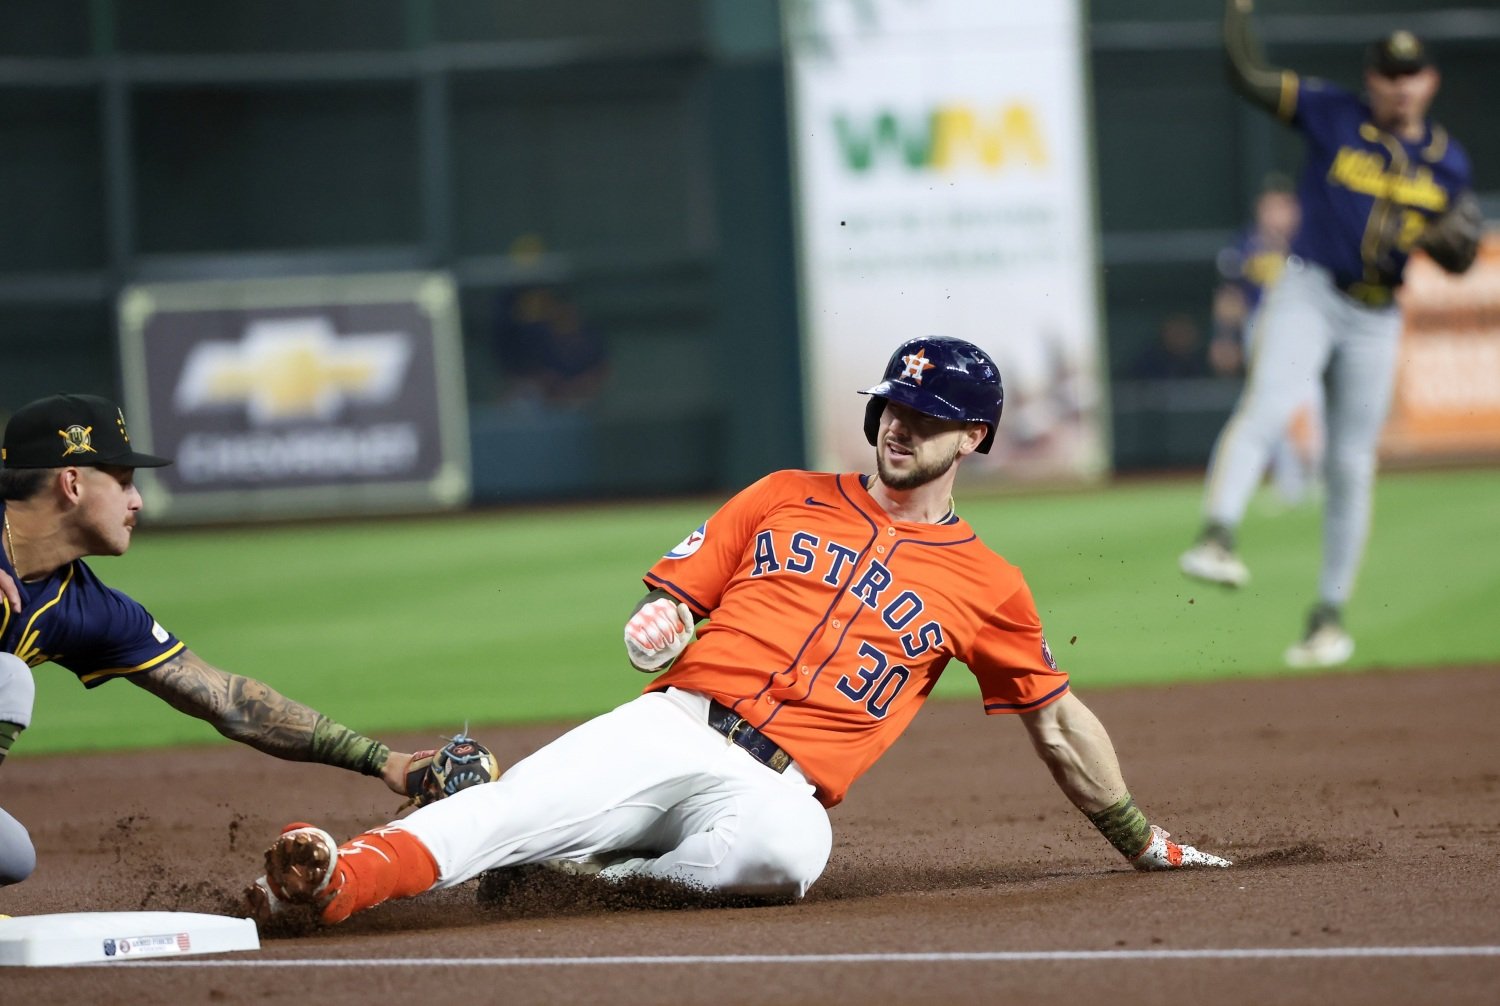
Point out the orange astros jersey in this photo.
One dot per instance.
(829, 622)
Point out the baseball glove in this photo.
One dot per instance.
(459, 764)
(1452, 240)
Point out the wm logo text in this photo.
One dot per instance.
(945, 138)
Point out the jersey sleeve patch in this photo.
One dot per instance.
(690, 544)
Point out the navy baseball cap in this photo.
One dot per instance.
(63, 430)
(1397, 54)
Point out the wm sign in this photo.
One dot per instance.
(945, 138)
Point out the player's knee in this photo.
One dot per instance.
(16, 865)
(17, 690)
(784, 861)
(17, 854)
(763, 869)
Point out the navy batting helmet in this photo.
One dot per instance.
(943, 377)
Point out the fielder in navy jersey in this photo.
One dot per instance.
(1379, 179)
(67, 490)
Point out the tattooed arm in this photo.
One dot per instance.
(252, 712)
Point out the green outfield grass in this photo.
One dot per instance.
(516, 615)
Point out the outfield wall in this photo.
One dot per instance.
(645, 146)
(1447, 401)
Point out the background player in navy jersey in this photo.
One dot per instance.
(1378, 180)
(67, 490)
(1247, 267)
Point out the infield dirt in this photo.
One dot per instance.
(1362, 811)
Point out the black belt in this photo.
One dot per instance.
(739, 731)
(1369, 294)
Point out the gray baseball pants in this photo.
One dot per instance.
(1307, 332)
(17, 694)
(17, 854)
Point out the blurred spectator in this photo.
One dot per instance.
(1247, 267)
(546, 352)
(1226, 350)
(1177, 351)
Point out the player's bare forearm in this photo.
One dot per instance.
(253, 713)
(1075, 746)
(1077, 750)
(240, 708)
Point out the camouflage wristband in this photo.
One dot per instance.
(335, 744)
(1123, 826)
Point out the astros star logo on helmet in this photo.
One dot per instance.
(916, 363)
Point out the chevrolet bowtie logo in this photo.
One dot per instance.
(293, 368)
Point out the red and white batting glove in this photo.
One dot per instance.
(657, 633)
(1161, 853)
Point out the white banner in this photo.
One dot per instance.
(944, 189)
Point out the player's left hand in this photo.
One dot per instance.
(394, 773)
(657, 633)
(1161, 853)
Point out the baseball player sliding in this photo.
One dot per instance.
(833, 603)
(1378, 180)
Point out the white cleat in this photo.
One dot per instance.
(1325, 646)
(1210, 561)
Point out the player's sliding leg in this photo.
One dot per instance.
(752, 831)
(619, 781)
(305, 867)
(755, 832)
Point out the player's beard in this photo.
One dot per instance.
(920, 473)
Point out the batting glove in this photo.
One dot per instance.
(657, 633)
(1161, 853)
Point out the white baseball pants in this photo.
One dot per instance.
(650, 778)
